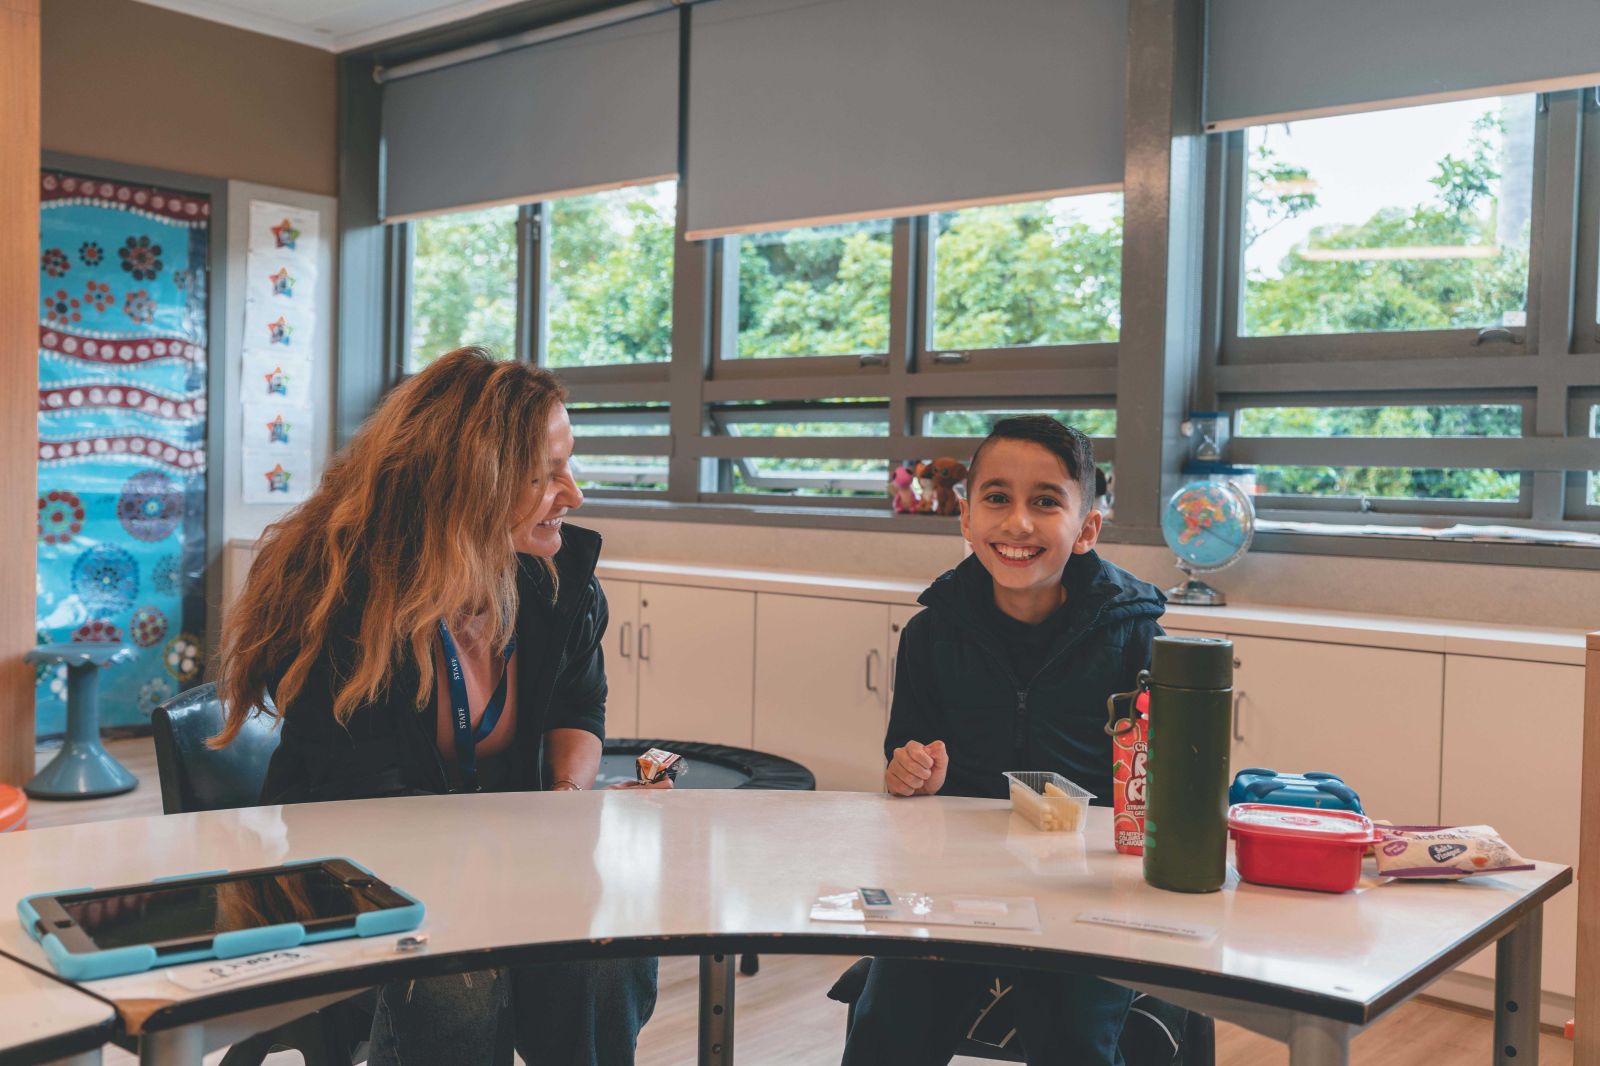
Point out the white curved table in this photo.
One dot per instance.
(513, 878)
(42, 1019)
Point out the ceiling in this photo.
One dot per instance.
(335, 25)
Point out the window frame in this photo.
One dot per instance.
(1169, 231)
(1538, 369)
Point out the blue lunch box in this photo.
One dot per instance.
(1312, 789)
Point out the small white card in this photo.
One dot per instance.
(1146, 925)
(921, 908)
(225, 972)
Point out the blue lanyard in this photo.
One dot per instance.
(461, 709)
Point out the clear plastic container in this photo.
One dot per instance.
(1049, 801)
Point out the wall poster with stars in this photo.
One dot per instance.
(122, 430)
(280, 317)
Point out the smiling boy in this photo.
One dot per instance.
(1009, 668)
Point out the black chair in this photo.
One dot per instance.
(1156, 1033)
(195, 777)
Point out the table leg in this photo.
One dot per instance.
(1318, 1041)
(1518, 959)
(716, 1010)
(173, 1047)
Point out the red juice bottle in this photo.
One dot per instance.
(1130, 750)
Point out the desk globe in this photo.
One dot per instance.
(1208, 525)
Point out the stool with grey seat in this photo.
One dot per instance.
(195, 777)
(82, 769)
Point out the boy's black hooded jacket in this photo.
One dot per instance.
(388, 746)
(957, 678)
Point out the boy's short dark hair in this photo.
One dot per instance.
(1070, 445)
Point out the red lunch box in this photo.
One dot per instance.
(1300, 847)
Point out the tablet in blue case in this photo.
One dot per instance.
(89, 933)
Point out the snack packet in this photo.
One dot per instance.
(1445, 853)
(657, 763)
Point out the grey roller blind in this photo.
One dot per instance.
(593, 111)
(1275, 59)
(814, 110)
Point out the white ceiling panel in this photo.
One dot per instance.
(335, 25)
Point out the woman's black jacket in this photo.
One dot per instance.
(388, 746)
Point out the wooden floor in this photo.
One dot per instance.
(784, 1017)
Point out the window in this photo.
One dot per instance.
(821, 290)
(1415, 219)
(620, 426)
(608, 277)
(799, 474)
(463, 284)
(1094, 421)
(1046, 272)
(1435, 420)
(1379, 483)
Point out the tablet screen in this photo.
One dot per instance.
(198, 911)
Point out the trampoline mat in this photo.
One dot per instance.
(710, 766)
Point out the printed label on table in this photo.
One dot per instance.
(1146, 925)
(225, 972)
(922, 908)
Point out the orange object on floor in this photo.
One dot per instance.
(13, 809)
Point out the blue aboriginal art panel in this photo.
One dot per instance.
(122, 426)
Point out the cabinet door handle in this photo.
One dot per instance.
(624, 641)
(1238, 698)
(872, 657)
(644, 643)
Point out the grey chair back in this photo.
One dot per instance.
(195, 777)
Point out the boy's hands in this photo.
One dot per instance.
(917, 769)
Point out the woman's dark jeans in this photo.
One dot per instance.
(585, 1013)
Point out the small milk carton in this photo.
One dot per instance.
(1130, 751)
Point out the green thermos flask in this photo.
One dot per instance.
(1186, 792)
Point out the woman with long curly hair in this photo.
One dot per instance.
(427, 622)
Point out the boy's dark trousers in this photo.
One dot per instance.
(913, 1012)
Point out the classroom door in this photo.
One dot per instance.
(122, 428)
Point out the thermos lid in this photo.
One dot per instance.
(1192, 662)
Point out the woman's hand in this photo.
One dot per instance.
(916, 769)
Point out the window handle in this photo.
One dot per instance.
(951, 358)
(1497, 335)
(624, 641)
(872, 359)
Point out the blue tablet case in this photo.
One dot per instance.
(116, 962)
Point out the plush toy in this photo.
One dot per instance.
(901, 494)
(946, 474)
(924, 475)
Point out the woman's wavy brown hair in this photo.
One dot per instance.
(414, 517)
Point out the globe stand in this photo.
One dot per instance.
(1195, 593)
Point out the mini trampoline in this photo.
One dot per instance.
(709, 766)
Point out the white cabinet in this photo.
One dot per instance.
(1371, 715)
(822, 684)
(696, 662)
(1513, 759)
(621, 651)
